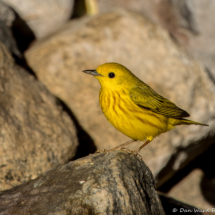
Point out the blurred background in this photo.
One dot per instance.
(49, 109)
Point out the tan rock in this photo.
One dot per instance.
(35, 133)
(189, 190)
(149, 52)
(135, 5)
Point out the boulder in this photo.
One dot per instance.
(43, 17)
(7, 38)
(173, 206)
(186, 21)
(115, 183)
(195, 189)
(192, 27)
(7, 17)
(151, 54)
(36, 133)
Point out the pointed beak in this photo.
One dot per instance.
(92, 72)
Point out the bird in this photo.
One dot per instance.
(133, 107)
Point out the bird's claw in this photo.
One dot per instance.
(126, 150)
(135, 153)
(101, 151)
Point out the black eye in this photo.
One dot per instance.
(111, 75)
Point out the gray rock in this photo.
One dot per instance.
(7, 38)
(190, 22)
(36, 134)
(201, 46)
(115, 183)
(7, 17)
(43, 17)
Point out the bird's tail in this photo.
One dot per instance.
(185, 122)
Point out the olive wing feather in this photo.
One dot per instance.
(147, 98)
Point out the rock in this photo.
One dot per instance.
(106, 183)
(36, 134)
(201, 46)
(43, 17)
(197, 36)
(148, 51)
(186, 21)
(7, 17)
(192, 190)
(135, 5)
(171, 206)
(6, 38)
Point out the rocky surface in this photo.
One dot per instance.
(43, 17)
(186, 20)
(173, 206)
(135, 5)
(149, 52)
(191, 26)
(7, 38)
(106, 183)
(201, 46)
(36, 133)
(201, 191)
(7, 17)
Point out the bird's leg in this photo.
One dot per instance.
(122, 145)
(144, 144)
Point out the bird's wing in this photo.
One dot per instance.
(145, 97)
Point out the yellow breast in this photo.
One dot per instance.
(133, 121)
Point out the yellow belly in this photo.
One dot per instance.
(133, 121)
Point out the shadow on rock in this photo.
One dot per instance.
(22, 32)
(86, 143)
(205, 162)
(207, 185)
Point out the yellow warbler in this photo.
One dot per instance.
(134, 108)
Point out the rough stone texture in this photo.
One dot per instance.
(7, 17)
(6, 37)
(35, 133)
(115, 183)
(43, 17)
(202, 45)
(135, 5)
(190, 190)
(150, 53)
(190, 25)
(186, 20)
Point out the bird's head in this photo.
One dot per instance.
(113, 75)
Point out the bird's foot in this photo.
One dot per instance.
(135, 153)
(101, 151)
(127, 150)
(106, 150)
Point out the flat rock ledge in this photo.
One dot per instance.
(104, 183)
